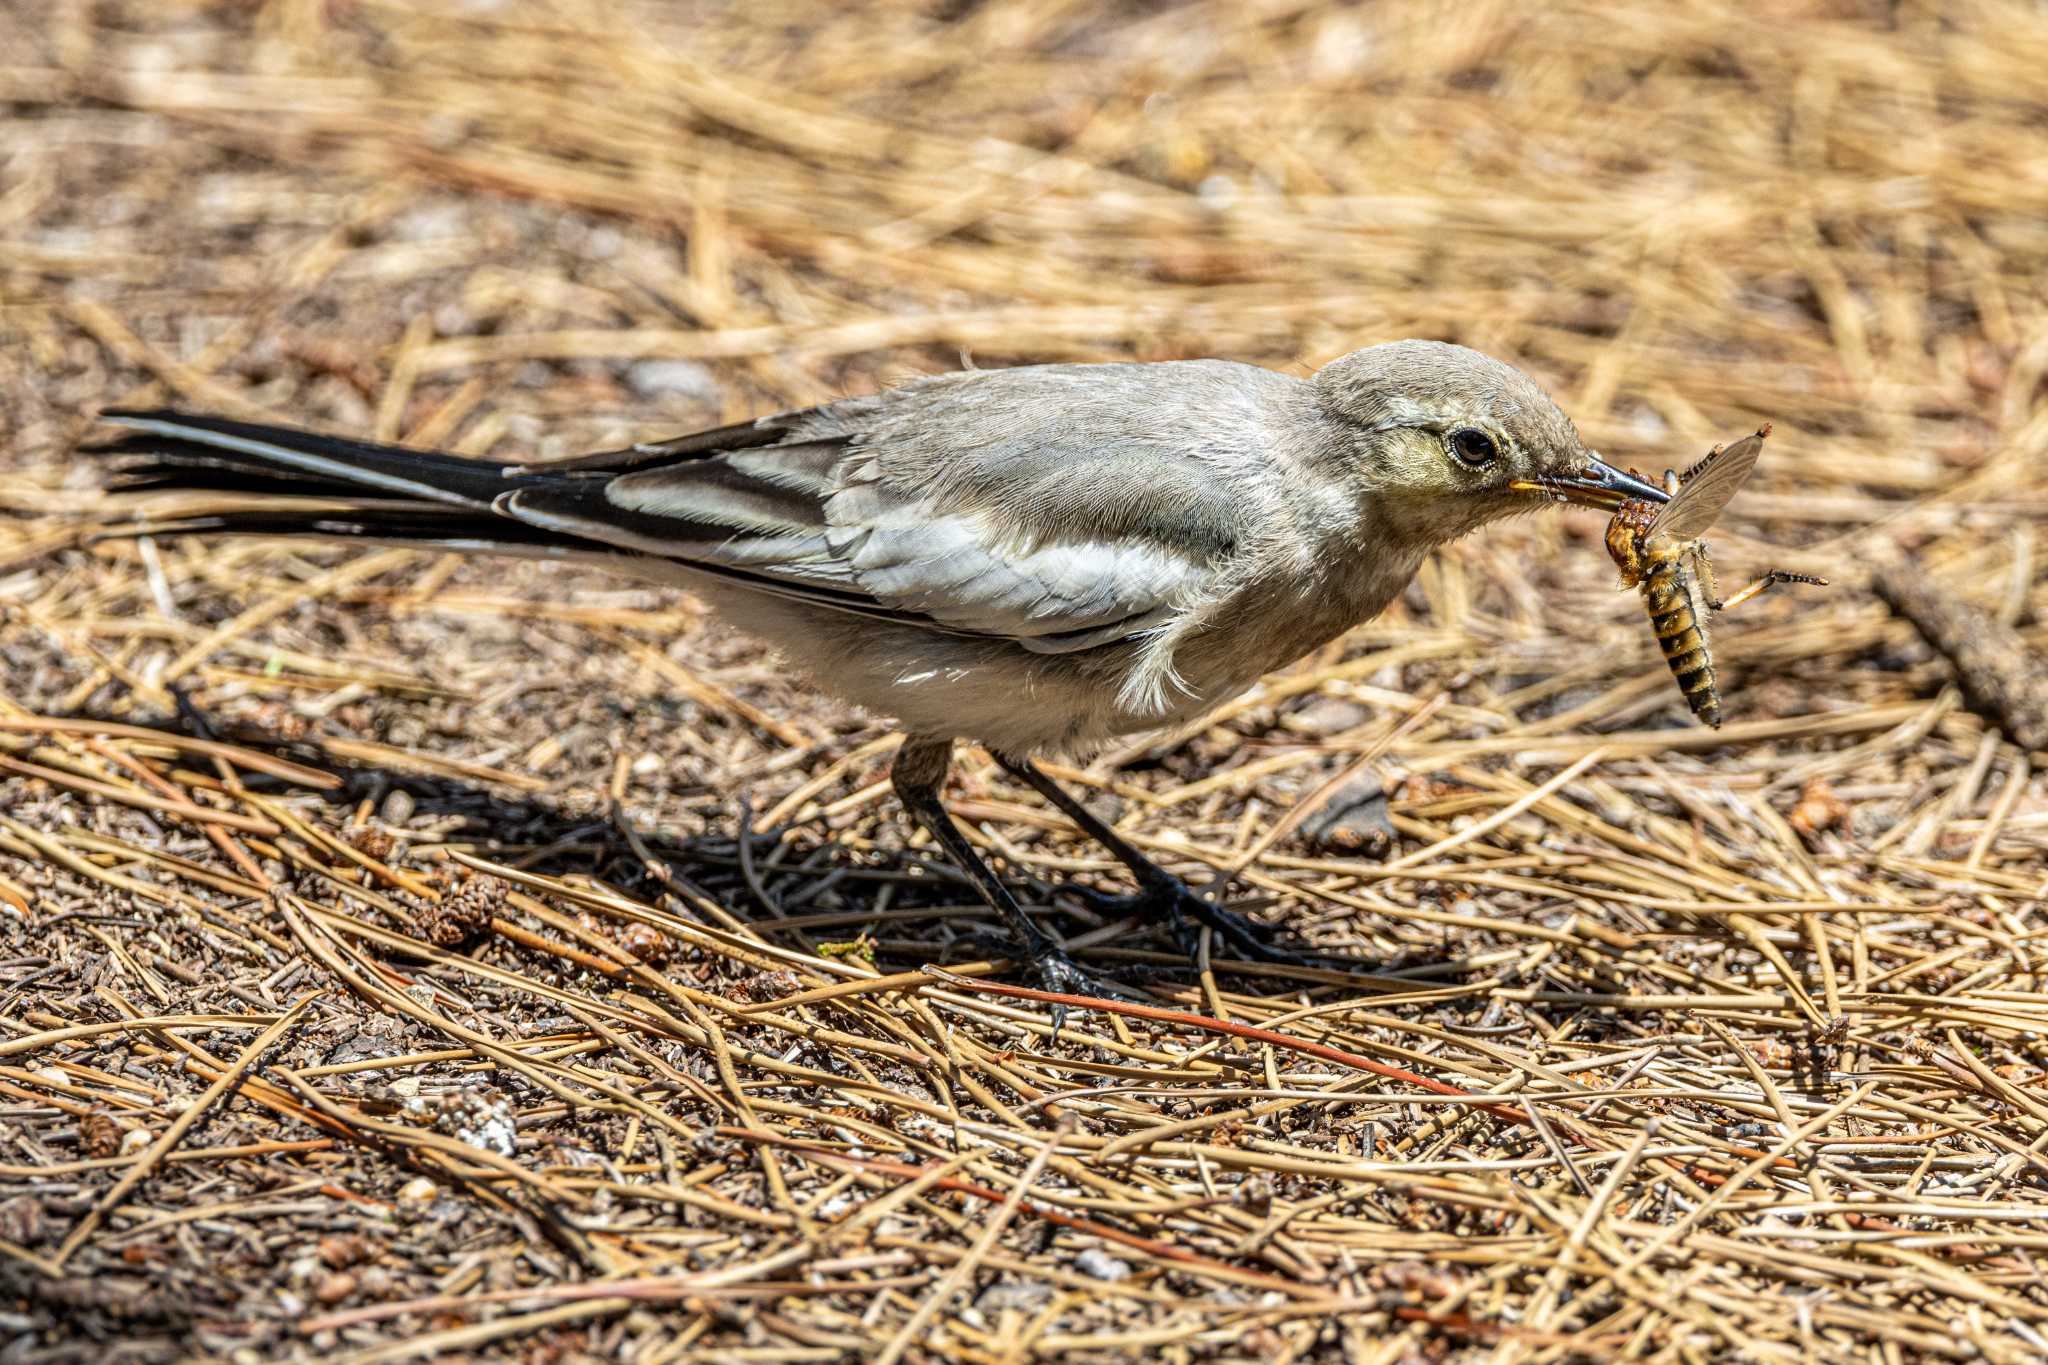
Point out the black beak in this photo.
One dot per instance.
(1599, 485)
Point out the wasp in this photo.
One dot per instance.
(1657, 547)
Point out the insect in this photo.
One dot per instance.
(1658, 548)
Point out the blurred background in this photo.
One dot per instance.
(536, 227)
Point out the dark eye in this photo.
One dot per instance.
(1473, 446)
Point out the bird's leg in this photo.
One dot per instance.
(1770, 578)
(917, 774)
(1161, 895)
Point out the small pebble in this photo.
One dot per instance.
(1022, 1296)
(340, 1250)
(397, 807)
(335, 1287)
(671, 379)
(1100, 1265)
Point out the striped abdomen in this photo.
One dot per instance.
(1675, 615)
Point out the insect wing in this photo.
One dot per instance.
(1700, 502)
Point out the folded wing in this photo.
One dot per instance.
(848, 507)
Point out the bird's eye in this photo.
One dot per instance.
(1473, 446)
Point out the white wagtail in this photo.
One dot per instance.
(1038, 559)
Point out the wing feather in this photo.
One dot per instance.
(1012, 517)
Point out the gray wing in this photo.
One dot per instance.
(1059, 507)
(1704, 495)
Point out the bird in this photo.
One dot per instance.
(1039, 559)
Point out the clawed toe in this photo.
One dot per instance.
(1059, 973)
(1054, 969)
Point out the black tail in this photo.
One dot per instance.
(302, 483)
(280, 481)
(169, 451)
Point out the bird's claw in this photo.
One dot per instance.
(1059, 973)
(1056, 971)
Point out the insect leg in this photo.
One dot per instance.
(1774, 576)
(1703, 574)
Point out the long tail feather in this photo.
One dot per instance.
(280, 481)
(172, 450)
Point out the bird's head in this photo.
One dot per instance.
(1441, 439)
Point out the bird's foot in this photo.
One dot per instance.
(1054, 969)
(1057, 971)
(1186, 913)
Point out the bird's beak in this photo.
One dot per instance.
(1599, 485)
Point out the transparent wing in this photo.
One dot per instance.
(1700, 501)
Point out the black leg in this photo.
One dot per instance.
(1161, 895)
(919, 770)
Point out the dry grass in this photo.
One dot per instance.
(1664, 1044)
